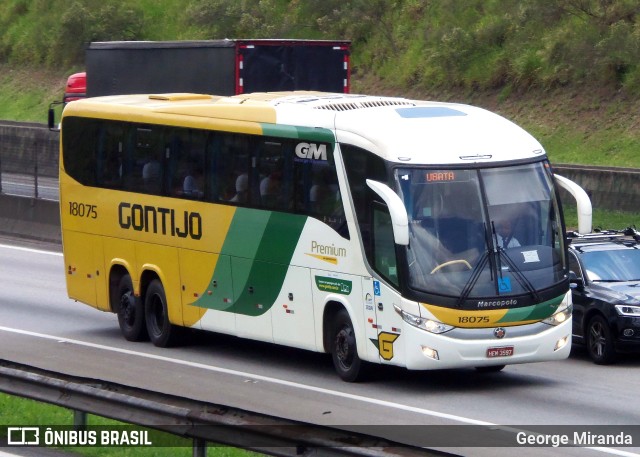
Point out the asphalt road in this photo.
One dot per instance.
(40, 326)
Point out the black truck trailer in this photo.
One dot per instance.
(220, 67)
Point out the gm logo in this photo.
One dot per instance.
(311, 151)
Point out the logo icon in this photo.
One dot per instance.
(499, 332)
(23, 436)
(311, 151)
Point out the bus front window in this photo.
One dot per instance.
(481, 233)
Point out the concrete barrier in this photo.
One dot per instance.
(609, 188)
(30, 218)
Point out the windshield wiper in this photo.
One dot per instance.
(473, 279)
(496, 263)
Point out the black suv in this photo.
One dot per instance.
(605, 284)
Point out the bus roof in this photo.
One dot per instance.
(397, 129)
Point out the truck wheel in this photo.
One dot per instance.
(161, 332)
(600, 342)
(343, 349)
(130, 311)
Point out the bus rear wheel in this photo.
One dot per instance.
(161, 332)
(130, 311)
(343, 349)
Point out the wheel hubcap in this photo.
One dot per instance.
(343, 348)
(127, 308)
(598, 340)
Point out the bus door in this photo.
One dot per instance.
(378, 294)
(370, 318)
(382, 328)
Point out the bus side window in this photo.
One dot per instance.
(231, 160)
(185, 151)
(148, 159)
(362, 165)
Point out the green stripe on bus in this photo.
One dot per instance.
(534, 312)
(307, 133)
(265, 279)
(260, 245)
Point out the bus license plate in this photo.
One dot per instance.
(505, 351)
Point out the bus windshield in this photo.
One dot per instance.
(480, 233)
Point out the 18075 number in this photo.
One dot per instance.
(83, 210)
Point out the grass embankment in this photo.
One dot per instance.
(16, 411)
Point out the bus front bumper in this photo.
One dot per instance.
(486, 347)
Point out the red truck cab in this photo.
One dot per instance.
(76, 87)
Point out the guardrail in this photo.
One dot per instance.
(28, 160)
(200, 421)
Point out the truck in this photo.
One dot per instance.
(220, 67)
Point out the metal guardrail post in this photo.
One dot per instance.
(79, 420)
(199, 448)
(35, 169)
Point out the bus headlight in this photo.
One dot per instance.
(420, 322)
(561, 315)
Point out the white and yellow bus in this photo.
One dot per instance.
(370, 228)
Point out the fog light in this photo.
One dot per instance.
(431, 353)
(562, 342)
(628, 332)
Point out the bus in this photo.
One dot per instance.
(366, 227)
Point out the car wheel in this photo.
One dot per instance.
(600, 342)
(130, 311)
(161, 332)
(343, 349)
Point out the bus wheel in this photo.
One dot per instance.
(600, 342)
(130, 312)
(161, 332)
(343, 349)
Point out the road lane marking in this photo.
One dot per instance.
(35, 251)
(374, 401)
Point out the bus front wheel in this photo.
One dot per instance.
(130, 311)
(161, 332)
(343, 349)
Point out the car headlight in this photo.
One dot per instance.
(627, 310)
(561, 315)
(429, 325)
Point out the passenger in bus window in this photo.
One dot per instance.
(192, 184)
(271, 187)
(242, 186)
(323, 195)
(151, 172)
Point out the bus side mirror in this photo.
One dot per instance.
(52, 116)
(397, 211)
